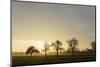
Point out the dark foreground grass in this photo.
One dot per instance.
(37, 60)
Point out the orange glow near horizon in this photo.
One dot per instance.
(21, 46)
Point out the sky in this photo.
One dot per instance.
(36, 23)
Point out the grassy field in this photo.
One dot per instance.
(35, 60)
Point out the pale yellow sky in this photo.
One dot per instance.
(35, 23)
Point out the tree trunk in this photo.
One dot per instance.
(73, 51)
(45, 53)
(57, 53)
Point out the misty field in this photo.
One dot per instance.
(34, 60)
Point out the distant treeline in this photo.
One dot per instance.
(59, 50)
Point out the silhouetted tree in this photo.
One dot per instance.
(46, 48)
(93, 45)
(32, 50)
(57, 45)
(72, 44)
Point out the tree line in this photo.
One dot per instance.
(57, 45)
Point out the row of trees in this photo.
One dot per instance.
(57, 45)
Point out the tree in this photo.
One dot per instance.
(93, 45)
(32, 50)
(57, 45)
(72, 44)
(46, 48)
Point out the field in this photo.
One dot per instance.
(37, 60)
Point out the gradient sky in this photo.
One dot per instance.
(34, 23)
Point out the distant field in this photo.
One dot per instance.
(35, 60)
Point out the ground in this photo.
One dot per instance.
(37, 60)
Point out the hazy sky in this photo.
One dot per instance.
(34, 23)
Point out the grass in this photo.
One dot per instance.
(37, 60)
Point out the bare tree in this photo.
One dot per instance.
(46, 48)
(72, 44)
(57, 45)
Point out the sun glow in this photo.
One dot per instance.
(39, 44)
